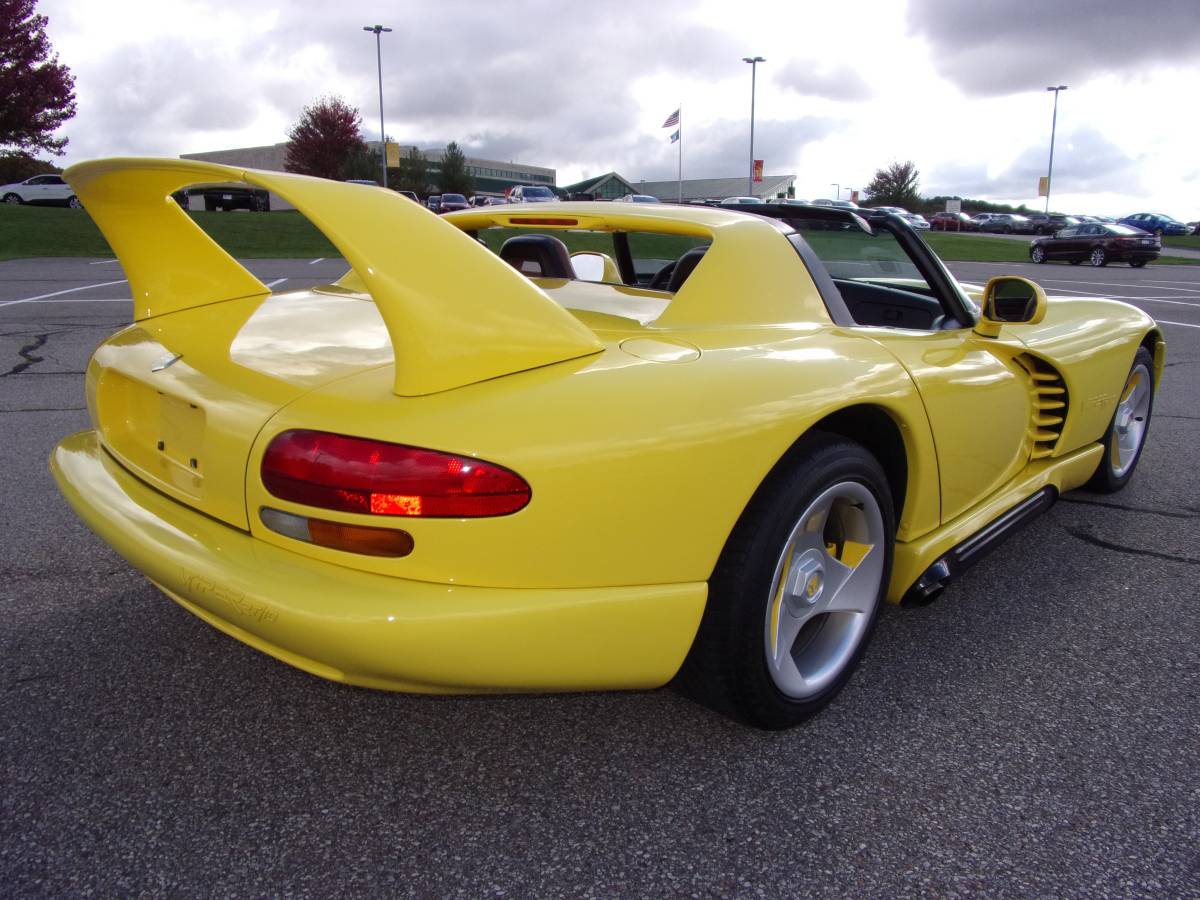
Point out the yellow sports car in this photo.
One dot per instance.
(523, 448)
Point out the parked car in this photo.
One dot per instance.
(1049, 223)
(794, 201)
(1156, 224)
(370, 182)
(1005, 223)
(1098, 244)
(230, 197)
(894, 210)
(917, 221)
(434, 202)
(487, 475)
(451, 202)
(410, 195)
(948, 221)
(637, 198)
(741, 201)
(982, 217)
(536, 193)
(838, 204)
(1195, 226)
(40, 190)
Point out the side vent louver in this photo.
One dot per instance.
(1049, 405)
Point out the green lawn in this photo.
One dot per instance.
(29, 231)
(1187, 241)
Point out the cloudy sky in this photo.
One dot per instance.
(957, 86)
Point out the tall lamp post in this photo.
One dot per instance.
(834, 184)
(1053, 126)
(754, 61)
(379, 29)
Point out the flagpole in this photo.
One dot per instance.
(680, 151)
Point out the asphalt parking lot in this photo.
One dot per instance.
(1034, 732)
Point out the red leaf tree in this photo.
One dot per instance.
(37, 92)
(328, 132)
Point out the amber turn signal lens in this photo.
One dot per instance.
(338, 535)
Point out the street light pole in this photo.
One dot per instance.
(1053, 126)
(379, 29)
(754, 61)
(834, 184)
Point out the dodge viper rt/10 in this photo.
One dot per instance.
(580, 446)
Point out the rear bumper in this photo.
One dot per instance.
(372, 630)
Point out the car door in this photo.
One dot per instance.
(1065, 243)
(56, 190)
(977, 395)
(34, 190)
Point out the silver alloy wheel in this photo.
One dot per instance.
(1039, 255)
(825, 588)
(1129, 425)
(1097, 258)
(11, 198)
(74, 203)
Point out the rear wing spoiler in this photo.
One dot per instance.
(456, 313)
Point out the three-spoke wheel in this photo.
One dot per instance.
(795, 595)
(1126, 433)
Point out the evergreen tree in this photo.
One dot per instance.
(413, 174)
(455, 177)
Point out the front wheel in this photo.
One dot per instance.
(1038, 255)
(13, 198)
(796, 592)
(1127, 431)
(74, 203)
(1098, 257)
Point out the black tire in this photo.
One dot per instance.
(1098, 257)
(1121, 453)
(210, 205)
(14, 199)
(73, 202)
(728, 668)
(1137, 263)
(1037, 254)
(1007, 229)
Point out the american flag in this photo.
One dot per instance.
(672, 120)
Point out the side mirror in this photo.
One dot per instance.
(595, 267)
(1011, 299)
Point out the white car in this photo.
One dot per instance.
(536, 193)
(43, 189)
(916, 220)
(737, 201)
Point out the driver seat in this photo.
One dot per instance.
(538, 256)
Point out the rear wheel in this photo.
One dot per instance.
(1098, 257)
(13, 198)
(74, 203)
(1137, 263)
(1007, 229)
(1127, 431)
(1038, 255)
(795, 595)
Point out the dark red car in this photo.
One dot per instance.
(1098, 244)
(948, 221)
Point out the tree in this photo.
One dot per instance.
(361, 164)
(455, 178)
(896, 186)
(38, 91)
(328, 133)
(414, 173)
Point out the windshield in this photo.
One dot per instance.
(537, 193)
(453, 198)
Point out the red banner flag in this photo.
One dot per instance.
(758, 167)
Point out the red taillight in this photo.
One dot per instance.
(357, 475)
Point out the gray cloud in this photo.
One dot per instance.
(993, 47)
(1084, 162)
(835, 83)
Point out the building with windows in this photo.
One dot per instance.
(492, 177)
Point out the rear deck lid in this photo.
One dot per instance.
(179, 399)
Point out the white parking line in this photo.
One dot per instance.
(1168, 322)
(1160, 285)
(1126, 297)
(86, 287)
(103, 262)
(317, 260)
(272, 284)
(84, 300)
